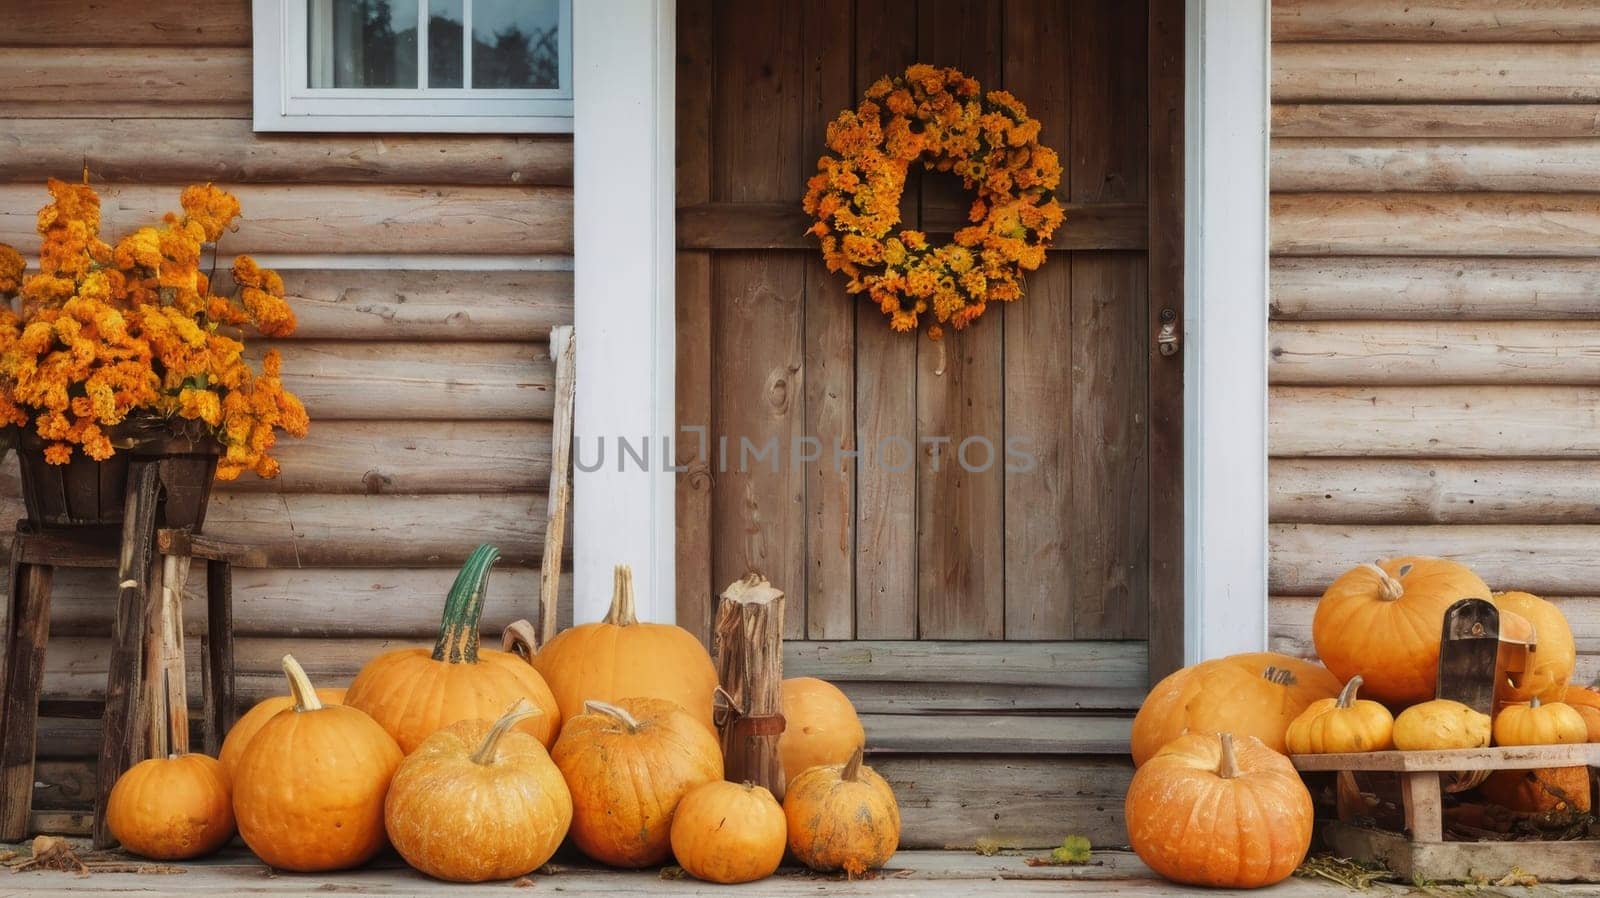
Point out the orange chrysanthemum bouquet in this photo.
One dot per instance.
(117, 343)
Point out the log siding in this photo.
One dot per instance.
(1434, 353)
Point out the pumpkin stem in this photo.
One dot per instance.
(305, 697)
(1229, 768)
(852, 768)
(621, 714)
(1389, 589)
(1533, 703)
(623, 612)
(518, 712)
(1347, 695)
(458, 630)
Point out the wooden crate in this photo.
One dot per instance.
(1422, 852)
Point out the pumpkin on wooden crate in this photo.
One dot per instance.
(1440, 724)
(621, 657)
(308, 792)
(1213, 810)
(254, 719)
(821, 726)
(1382, 621)
(628, 765)
(1343, 724)
(842, 817)
(1546, 789)
(1554, 655)
(477, 801)
(1255, 694)
(729, 832)
(173, 808)
(412, 692)
(1586, 701)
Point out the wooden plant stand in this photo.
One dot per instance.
(146, 660)
(1422, 852)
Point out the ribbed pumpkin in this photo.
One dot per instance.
(1440, 724)
(1586, 702)
(842, 817)
(1343, 724)
(172, 808)
(628, 765)
(413, 692)
(728, 832)
(308, 792)
(1215, 811)
(1555, 653)
(256, 718)
(620, 657)
(1256, 694)
(822, 726)
(1382, 621)
(477, 802)
(1545, 789)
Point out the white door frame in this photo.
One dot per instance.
(624, 254)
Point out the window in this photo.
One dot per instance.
(413, 65)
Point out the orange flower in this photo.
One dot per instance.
(11, 267)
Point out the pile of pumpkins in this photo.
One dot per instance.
(1215, 800)
(476, 764)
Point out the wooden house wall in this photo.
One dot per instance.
(1435, 286)
(421, 354)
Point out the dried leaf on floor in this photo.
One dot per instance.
(53, 853)
(1344, 871)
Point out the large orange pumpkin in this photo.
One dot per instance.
(842, 817)
(256, 718)
(1215, 811)
(1383, 621)
(477, 802)
(308, 792)
(1255, 694)
(413, 692)
(620, 657)
(821, 726)
(1554, 656)
(628, 765)
(172, 808)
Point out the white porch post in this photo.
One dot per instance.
(623, 186)
(1225, 375)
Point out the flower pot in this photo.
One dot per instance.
(85, 492)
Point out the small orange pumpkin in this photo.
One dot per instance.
(1439, 724)
(256, 718)
(1257, 694)
(413, 692)
(822, 726)
(308, 791)
(842, 817)
(1210, 811)
(1586, 702)
(1343, 724)
(172, 808)
(1555, 653)
(1546, 789)
(628, 765)
(729, 832)
(477, 802)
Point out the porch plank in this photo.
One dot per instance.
(1442, 421)
(1434, 491)
(1526, 121)
(424, 305)
(102, 23)
(1328, 165)
(1424, 288)
(1436, 224)
(1393, 353)
(125, 82)
(1436, 72)
(1434, 20)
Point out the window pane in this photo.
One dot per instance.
(362, 43)
(514, 43)
(445, 53)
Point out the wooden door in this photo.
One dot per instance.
(926, 586)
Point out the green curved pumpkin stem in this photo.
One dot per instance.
(1347, 695)
(852, 767)
(458, 630)
(1389, 588)
(623, 612)
(616, 712)
(305, 697)
(518, 712)
(1229, 768)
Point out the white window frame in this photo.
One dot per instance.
(284, 101)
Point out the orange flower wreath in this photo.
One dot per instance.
(942, 118)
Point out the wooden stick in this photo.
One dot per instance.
(176, 706)
(564, 350)
(749, 650)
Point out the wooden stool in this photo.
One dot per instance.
(138, 552)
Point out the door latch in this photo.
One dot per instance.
(1167, 339)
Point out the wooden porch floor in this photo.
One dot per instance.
(937, 874)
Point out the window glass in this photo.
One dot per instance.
(445, 52)
(515, 44)
(362, 43)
